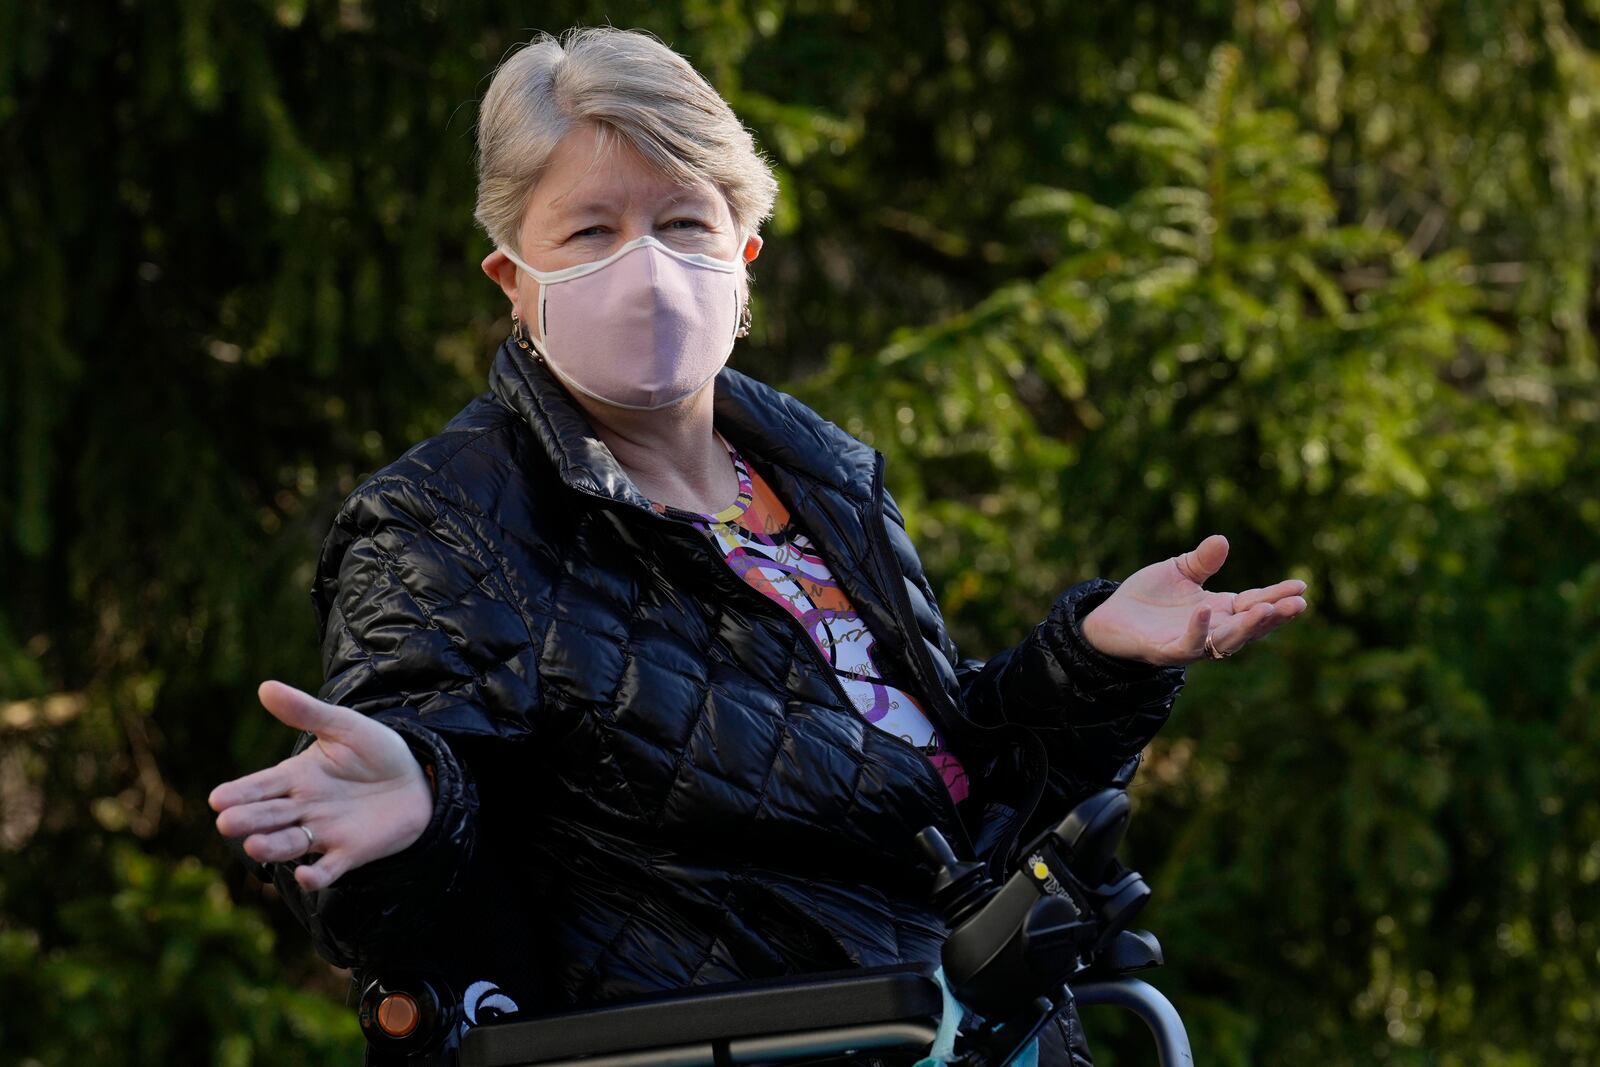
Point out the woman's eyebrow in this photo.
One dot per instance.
(693, 198)
(589, 208)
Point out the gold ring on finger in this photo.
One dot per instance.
(1213, 651)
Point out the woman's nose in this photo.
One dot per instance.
(632, 231)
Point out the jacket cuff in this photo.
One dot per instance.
(371, 914)
(1095, 674)
(1072, 608)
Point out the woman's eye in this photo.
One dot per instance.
(599, 229)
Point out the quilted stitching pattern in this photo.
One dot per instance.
(644, 771)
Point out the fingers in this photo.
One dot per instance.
(290, 843)
(1288, 608)
(297, 708)
(1256, 623)
(259, 818)
(1199, 626)
(321, 874)
(1248, 599)
(293, 707)
(280, 845)
(252, 788)
(1205, 560)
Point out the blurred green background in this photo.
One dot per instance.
(1100, 278)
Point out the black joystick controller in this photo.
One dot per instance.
(1012, 947)
(959, 888)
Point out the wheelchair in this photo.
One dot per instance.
(1056, 929)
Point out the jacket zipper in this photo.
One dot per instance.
(831, 677)
(829, 674)
(890, 572)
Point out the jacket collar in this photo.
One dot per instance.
(767, 424)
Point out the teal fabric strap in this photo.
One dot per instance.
(943, 1049)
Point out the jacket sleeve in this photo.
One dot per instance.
(417, 633)
(1093, 713)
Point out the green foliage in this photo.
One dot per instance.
(155, 963)
(1100, 279)
(1374, 797)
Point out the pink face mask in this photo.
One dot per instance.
(642, 328)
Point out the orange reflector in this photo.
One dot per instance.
(398, 1014)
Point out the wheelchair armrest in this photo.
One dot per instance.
(682, 1027)
(1128, 952)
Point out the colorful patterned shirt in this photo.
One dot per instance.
(756, 538)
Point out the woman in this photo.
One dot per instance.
(633, 678)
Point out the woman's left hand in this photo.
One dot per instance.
(1162, 615)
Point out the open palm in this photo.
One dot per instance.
(358, 788)
(1163, 614)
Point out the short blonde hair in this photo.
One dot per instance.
(629, 84)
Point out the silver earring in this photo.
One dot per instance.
(744, 321)
(519, 332)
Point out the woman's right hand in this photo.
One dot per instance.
(358, 787)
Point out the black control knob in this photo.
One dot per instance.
(959, 889)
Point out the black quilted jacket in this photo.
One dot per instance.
(647, 776)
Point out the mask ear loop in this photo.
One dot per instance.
(741, 311)
(543, 291)
(526, 340)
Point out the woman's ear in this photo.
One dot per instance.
(752, 248)
(502, 272)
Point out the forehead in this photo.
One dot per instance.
(589, 173)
